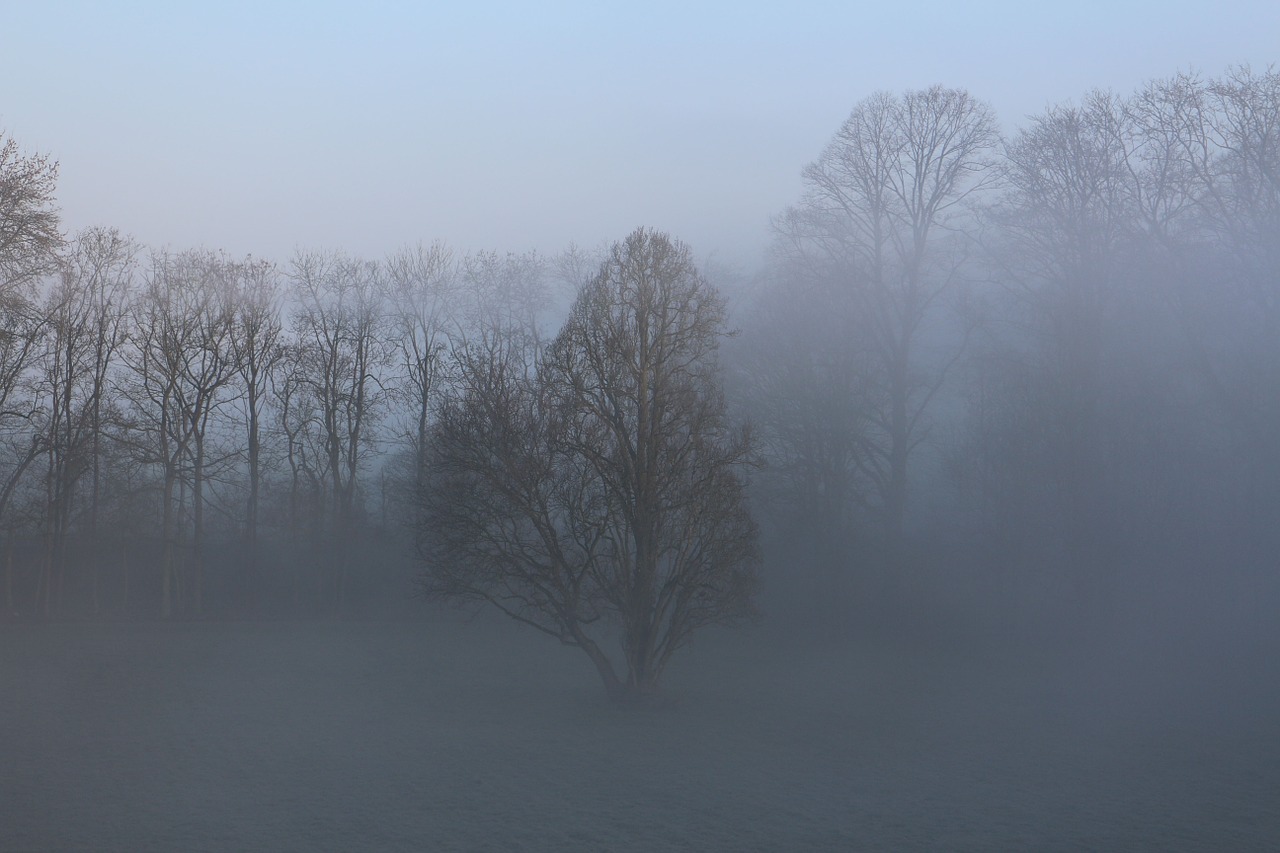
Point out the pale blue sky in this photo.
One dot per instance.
(258, 127)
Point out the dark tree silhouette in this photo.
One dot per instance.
(600, 481)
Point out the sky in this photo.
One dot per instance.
(262, 128)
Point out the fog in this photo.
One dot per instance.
(441, 734)
(920, 493)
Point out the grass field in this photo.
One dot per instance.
(440, 733)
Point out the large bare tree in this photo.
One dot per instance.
(877, 211)
(601, 482)
(1068, 217)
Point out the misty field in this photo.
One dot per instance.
(439, 733)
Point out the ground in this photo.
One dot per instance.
(444, 734)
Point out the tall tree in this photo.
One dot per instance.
(1223, 141)
(603, 480)
(256, 342)
(878, 205)
(181, 363)
(257, 347)
(424, 294)
(84, 316)
(1212, 162)
(30, 239)
(1068, 217)
(340, 325)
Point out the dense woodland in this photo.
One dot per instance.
(1025, 370)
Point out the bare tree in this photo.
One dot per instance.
(424, 294)
(1069, 215)
(181, 363)
(509, 516)
(1210, 168)
(1213, 162)
(85, 324)
(256, 350)
(576, 266)
(257, 346)
(29, 242)
(21, 435)
(29, 228)
(509, 292)
(22, 330)
(108, 260)
(300, 426)
(340, 326)
(877, 209)
(602, 482)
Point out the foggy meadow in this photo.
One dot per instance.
(951, 524)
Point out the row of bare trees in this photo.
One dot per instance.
(1138, 247)
(1075, 327)
(1062, 343)
(159, 410)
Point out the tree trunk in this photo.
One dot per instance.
(166, 553)
(197, 534)
(8, 577)
(251, 509)
(124, 571)
(614, 687)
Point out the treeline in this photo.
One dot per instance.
(186, 433)
(971, 362)
(1043, 365)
